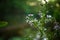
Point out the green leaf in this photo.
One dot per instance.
(3, 24)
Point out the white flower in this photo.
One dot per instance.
(45, 29)
(27, 17)
(43, 2)
(27, 21)
(37, 36)
(30, 14)
(30, 22)
(35, 20)
(40, 14)
(45, 38)
(49, 16)
(56, 27)
(47, 0)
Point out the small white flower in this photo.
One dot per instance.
(45, 29)
(40, 14)
(49, 16)
(43, 2)
(27, 17)
(30, 22)
(45, 38)
(27, 20)
(35, 20)
(47, 0)
(56, 27)
(37, 36)
(30, 14)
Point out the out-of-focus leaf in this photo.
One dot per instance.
(3, 24)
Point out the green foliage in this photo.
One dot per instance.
(3, 24)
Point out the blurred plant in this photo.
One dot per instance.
(3, 24)
(45, 20)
